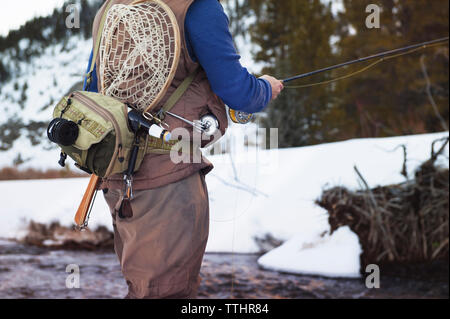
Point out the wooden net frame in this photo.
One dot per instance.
(139, 53)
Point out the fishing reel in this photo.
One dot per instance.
(207, 124)
(240, 117)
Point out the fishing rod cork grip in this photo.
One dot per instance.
(86, 203)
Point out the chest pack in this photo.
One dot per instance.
(93, 130)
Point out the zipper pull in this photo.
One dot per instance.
(121, 157)
(62, 159)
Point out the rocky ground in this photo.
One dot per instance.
(34, 272)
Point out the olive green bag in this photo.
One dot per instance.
(104, 139)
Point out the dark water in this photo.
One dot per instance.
(31, 272)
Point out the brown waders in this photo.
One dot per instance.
(161, 247)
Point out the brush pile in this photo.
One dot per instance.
(400, 224)
(55, 236)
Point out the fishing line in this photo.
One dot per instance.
(233, 273)
(364, 68)
(241, 117)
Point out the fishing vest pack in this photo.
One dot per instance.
(93, 130)
(99, 132)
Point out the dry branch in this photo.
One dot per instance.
(403, 223)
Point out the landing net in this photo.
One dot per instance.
(139, 52)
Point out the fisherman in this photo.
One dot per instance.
(161, 247)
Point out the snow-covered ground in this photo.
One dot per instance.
(264, 192)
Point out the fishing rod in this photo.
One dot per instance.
(244, 118)
(371, 57)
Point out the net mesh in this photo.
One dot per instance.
(138, 53)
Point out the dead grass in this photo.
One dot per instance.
(13, 173)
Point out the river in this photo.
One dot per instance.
(36, 272)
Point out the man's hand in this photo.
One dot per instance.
(277, 85)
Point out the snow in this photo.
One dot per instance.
(335, 256)
(267, 192)
(67, 66)
(48, 77)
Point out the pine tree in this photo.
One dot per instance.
(391, 98)
(294, 37)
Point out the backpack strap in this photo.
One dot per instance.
(97, 44)
(158, 146)
(176, 96)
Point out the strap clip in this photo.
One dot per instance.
(161, 115)
(128, 189)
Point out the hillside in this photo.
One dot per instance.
(40, 62)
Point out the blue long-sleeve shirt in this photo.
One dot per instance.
(210, 43)
(93, 87)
